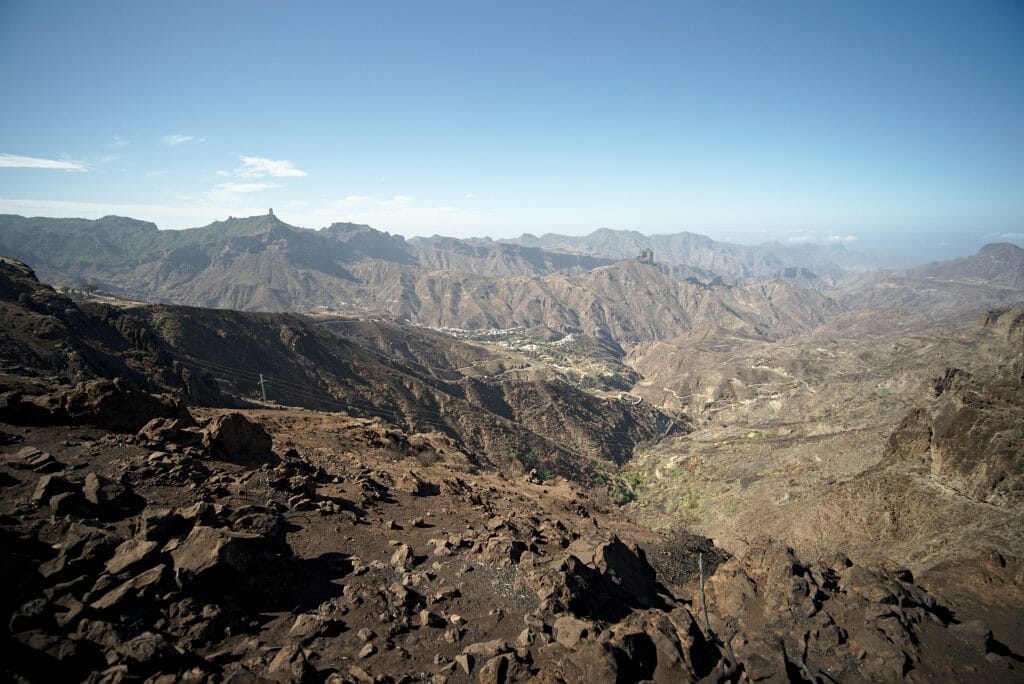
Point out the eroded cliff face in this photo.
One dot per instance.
(972, 432)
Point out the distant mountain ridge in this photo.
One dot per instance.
(1001, 263)
(991, 278)
(261, 263)
(731, 261)
(488, 257)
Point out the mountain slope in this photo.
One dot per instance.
(258, 262)
(490, 258)
(263, 264)
(997, 263)
(628, 302)
(410, 376)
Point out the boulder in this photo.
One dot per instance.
(143, 586)
(612, 580)
(661, 646)
(151, 650)
(403, 557)
(411, 483)
(83, 551)
(503, 668)
(259, 520)
(161, 431)
(309, 626)
(291, 662)
(130, 554)
(430, 619)
(843, 619)
(31, 458)
(487, 649)
(70, 503)
(569, 630)
(103, 491)
(49, 486)
(593, 661)
(34, 614)
(223, 560)
(234, 437)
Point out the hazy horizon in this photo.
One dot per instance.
(914, 252)
(882, 128)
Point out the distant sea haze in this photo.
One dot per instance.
(921, 246)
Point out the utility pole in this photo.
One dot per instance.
(263, 388)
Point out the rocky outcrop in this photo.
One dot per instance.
(604, 581)
(971, 437)
(141, 603)
(836, 621)
(109, 404)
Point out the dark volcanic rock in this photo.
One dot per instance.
(220, 559)
(109, 404)
(30, 458)
(232, 436)
(103, 491)
(49, 486)
(782, 616)
(604, 582)
(115, 405)
(168, 430)
(83, 550)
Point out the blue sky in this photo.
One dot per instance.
(876, 124)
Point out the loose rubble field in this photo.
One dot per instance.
(307, 546)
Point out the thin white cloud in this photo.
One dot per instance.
(401, 213)
(177, 139)
(260, 167)
(231, 192)
(13, 161)
(252, 169)
(394, 202)
(118, 143)
(353, 200)
(808, 238)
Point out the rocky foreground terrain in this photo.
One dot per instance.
(160, 524)
(307, 546)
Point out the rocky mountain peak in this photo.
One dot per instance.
(1001, 250)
